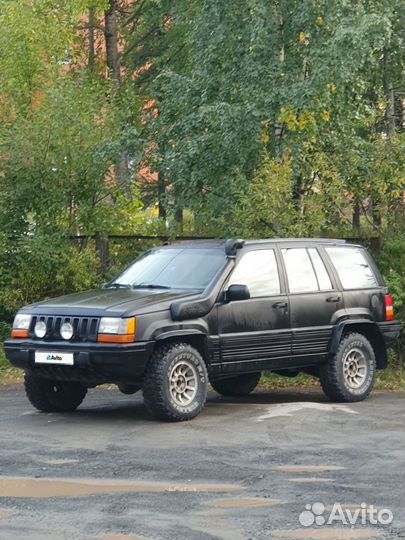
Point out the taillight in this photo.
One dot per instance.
(389, 308)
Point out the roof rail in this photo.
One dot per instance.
(298, 240)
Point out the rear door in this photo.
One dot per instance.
(255, 333)
(314, 299)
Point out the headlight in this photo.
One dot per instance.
(21, 326)
(66, 330)
(40, 329)
(116, 330)
(22, 321)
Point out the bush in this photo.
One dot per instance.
(391, 262)
(38, 267)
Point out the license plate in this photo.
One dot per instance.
(62, 358)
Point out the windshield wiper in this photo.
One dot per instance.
(149, 286)
(118, 286)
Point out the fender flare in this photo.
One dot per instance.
(177, 333)
(377, 340)
(341, 326)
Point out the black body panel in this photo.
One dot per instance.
(255, 329)
(109, 302)
(311, 321)
(275, 332)
(95, 363)
(390, 331)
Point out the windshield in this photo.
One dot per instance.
(173, 269)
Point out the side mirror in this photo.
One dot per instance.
(237, 292)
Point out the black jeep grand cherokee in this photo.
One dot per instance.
(189, 313)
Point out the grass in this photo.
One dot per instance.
(8, 374)
(387, 379)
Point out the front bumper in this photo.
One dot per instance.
(94, 363)
(390, 331)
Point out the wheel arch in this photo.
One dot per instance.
(368, 329)
(196, 339)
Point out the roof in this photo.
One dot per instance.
(232, 245)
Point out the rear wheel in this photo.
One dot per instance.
(241, 385)
(175, 386)
(349, 374)
(47, 395)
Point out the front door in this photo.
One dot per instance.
(255, 333)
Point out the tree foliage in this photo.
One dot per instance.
(260, 119)
(298, 81)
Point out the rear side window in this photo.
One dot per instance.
(352, 267)
(300, 272)
(258, 271)
(324, 281)
(306, 271)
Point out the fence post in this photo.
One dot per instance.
(102, 247)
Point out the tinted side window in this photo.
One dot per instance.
(352, 267)
(258, 271)
(300, 272)
(321, 272)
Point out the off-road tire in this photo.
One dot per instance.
(157, 388)
(47, 395)
(331, 374)
(241, 385)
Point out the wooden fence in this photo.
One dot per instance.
(103, 242)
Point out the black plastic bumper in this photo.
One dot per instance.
(390, 331)
(94, 363)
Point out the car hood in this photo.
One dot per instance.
(110, 302)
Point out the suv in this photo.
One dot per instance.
(219, 311)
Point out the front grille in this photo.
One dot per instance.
(84, 328)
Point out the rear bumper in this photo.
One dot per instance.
(390, 331)
(94, 363)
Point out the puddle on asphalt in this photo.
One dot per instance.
(5, 514)
(251, 502)
(122, 537)
(288, 409)
(41, 488)
(59, 461)
(390, 427)
(307, 468)
(210, 513)
(327, 534)
(312, 480)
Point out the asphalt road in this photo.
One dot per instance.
(244, 469)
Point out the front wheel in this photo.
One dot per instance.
(240, 385)
(47, 395)
(175, 385)
(349, 374)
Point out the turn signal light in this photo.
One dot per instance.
(389, 308)
(116, 330)
(18, 333)
(111, 338)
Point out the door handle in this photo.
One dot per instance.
(333, 299)
(280, 305)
